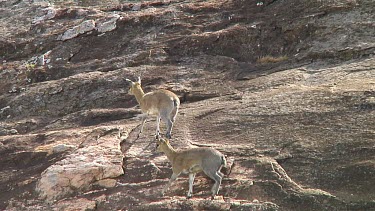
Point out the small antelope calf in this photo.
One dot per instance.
(162, 103)
(192, 161)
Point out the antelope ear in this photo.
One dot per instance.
(139, 80)
(128, 80)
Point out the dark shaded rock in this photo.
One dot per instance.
(285, 89)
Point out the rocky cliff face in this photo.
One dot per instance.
(285, 89)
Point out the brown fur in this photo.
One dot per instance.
(162, 103)
(192, 161)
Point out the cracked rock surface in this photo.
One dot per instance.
(285, 89)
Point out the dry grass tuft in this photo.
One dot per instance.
(271, 59)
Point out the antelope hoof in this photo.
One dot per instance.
(168, 135)
(212, 197)
(189, 196)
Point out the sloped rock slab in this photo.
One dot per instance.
(99, 157)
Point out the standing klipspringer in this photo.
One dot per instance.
(192, 161)
(162, 103)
